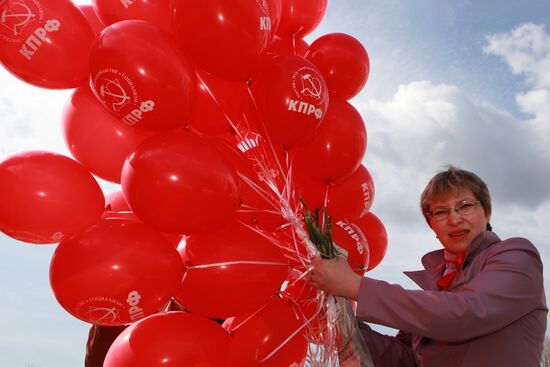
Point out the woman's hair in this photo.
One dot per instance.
(450, 182)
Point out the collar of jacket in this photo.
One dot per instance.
(427, 278)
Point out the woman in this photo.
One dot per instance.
(482, 301)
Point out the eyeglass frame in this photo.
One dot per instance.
(456, 209)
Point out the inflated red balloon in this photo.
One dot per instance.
(140, 77)
(377, 238)
(97, 139)
(172, 339)
(287, 46)
(46, 196)
(275, 11)
(304, 295)
(117, 207)
(300, 17)
(178, 184)
(338, 147)
(45, 43)
(156, 11)
(114, 273)
(260, 206)
(225, 38)
(245, 270)
(352, 244)
(292, 98)
(343, 61)
(218, 107)
(352, 198)
(311, 191)
(116, 202)
(93, 18)
(257, 337)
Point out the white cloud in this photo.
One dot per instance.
(30, 117)
(426, 126)
(526, 49)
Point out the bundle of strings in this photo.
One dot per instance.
(333, 328)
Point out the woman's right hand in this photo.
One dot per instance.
(335, 277)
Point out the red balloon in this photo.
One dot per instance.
(93, 18)
(219, 105)
(254, 338)
(292, 98)
(46, 196)
(275, 11)
(299, 289)
(352, 198)
(351, 243)
(292, 247)
(225, 38)
(349, 199)
(287, 46)
(116, 202)
(114, 273)
(172, 339)
(45, 43)
(338, 147)
(117, 207)
(300, 17)
(311, 191)
(343, 61)
(237, 284)
(250, 155)
(97, 139)
(156, 12)
(377, 237)
(176, 183)
(140, 77)
(302, 294)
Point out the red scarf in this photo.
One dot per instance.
(453, 263)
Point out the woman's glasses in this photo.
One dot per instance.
(462, 208)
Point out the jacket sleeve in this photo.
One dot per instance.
(509, 286)
(100, 339)
(388, 351)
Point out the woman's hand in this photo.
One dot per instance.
(335, 277)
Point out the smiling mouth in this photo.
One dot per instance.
(458, 234)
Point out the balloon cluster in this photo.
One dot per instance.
(216, 118)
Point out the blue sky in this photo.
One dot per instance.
(461, 82)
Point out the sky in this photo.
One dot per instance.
(452, 82)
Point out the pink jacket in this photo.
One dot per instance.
(494, 313)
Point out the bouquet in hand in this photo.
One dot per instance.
(343, 336)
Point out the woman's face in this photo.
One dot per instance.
(457, 231)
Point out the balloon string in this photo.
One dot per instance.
(287, 340)
(248, 318)
(279, 243)
(213, 96)
(266, 136)
(256, 188)
(241, 262)
(271, 239)
(250, 209)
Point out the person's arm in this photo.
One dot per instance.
(388, 351)
(100, 339)
(509, 286)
